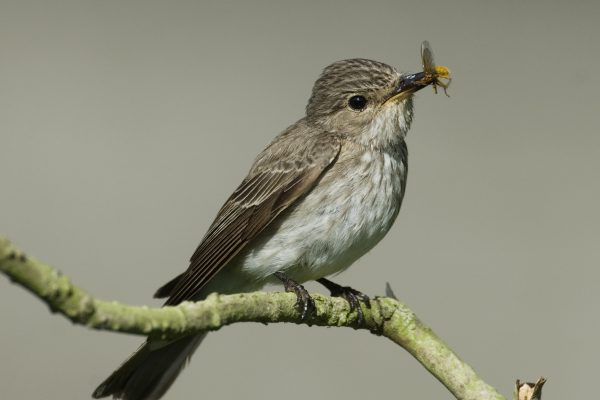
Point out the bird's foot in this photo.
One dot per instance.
(304, 303)
(352, 296)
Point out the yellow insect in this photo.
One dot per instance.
(433, 73)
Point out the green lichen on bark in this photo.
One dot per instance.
(386, 317)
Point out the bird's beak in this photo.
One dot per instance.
(437, 75)
(409, 84)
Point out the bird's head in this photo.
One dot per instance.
(367, 101)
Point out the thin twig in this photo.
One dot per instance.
(386, 317)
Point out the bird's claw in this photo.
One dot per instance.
(304, 302)
(352, 296)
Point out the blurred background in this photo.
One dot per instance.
(124, 125)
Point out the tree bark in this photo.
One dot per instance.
(386, 317)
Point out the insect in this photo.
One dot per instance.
(433, 73)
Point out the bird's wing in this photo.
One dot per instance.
(281, 174)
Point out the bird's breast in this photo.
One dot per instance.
(350, 210)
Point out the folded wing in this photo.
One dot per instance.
(282, 173)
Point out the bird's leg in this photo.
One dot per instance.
(352, 296)
(304, 302)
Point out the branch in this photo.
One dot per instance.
(386, 317)
(529, 390)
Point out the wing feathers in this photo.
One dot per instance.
(280, 176)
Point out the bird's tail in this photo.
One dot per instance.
(150, 371)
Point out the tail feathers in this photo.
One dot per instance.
(149, 372)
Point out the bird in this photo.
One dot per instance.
(323, 193)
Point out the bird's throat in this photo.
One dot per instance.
(389, 127)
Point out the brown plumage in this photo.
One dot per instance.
(278, 177)
(322, 194)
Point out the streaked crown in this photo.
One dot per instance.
(343, 79)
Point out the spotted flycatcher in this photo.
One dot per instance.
(322, 194)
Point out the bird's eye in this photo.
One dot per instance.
(357, 102)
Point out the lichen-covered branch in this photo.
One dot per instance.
(386, 317)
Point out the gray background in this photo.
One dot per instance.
(124, 125)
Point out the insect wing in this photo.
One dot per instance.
(427, 58)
